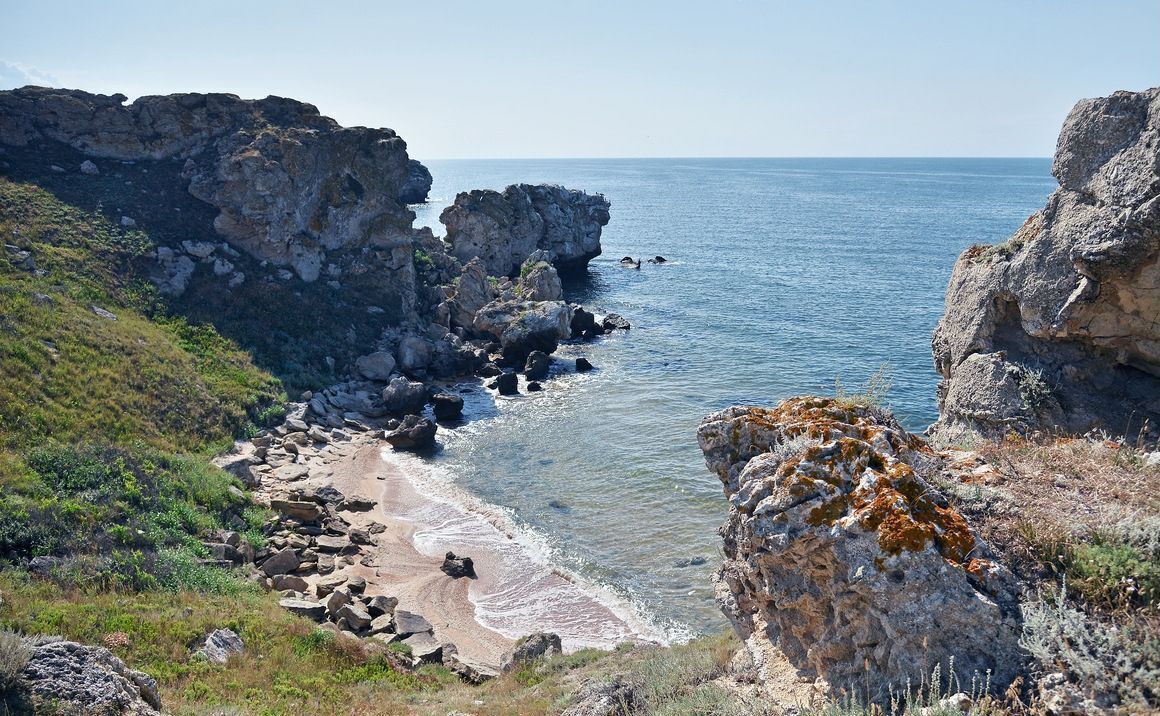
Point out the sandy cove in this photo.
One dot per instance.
(395, 568)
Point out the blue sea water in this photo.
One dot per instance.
(783, 275)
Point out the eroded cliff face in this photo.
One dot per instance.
(1059, 328)
(842, 557)
(289, 185)
(503, 229)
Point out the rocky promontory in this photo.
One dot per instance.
(504, 228)
(1058, 327)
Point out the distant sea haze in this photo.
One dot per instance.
(782, 275)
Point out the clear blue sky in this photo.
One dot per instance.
(620, 78)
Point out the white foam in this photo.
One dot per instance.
(530, 590)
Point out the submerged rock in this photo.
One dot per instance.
(447, 406)
(842, 555)
(1057, 329)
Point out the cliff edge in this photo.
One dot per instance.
(1059, 328)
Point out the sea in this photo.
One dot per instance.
(783, 277)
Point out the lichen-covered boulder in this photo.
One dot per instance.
(840, 554)
(1067, 308)
(67, 677)
(503, 228)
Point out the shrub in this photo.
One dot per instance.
(14, 656)
(1114, 663)
(873, 394)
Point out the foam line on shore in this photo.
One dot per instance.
(519, 589)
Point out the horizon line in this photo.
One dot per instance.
(729, 156)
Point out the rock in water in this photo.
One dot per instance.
(1057, 327)
(447, 406)
(502, 229)
(456, 567)
(525, 326)
(507, 384)
(537, 365)
(63, 676)
(417, 185)
(582, 365)
(841, 554)
(414, 433)
(615, 321)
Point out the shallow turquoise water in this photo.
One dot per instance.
(784, 274)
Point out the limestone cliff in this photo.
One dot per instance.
(1059, 328)
(841, 557)
(288, 184)
(503, 229)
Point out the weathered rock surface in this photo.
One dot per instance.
(456, 566)
(447, 406)
(539, 280)
(289, 184)
(502, 229)
(220, 645)
(541, 645)
(525, 326)
(417, 185)
(66, 675)
(841, 554)
(1057, 328)
(414, 433)
(404, 396)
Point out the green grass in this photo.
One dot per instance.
(70, 374)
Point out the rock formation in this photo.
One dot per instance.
(289, 184)
(1058, 327)
(841, 554)
(418, 183)
(503, 229)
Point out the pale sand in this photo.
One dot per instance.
(399, 570)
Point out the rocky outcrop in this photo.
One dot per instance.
(418, 184)
(289, 185)
(503, 229)
(841, 554)
(64, 675)
(525, 326)
(1057, 328)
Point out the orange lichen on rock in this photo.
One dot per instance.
(862, 459)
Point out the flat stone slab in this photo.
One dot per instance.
(304, 608)
(409, 623)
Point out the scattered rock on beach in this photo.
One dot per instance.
(456, 567)
(413, 433)
(506, 384)
(410, 623)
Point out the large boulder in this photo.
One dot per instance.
(841, 554)
(1057, 329)
(532, 648)
(503, 228)
(525, 326)
(414, 433)
(220, 645)
(376, 366)
(288, 184)
(404, 396)
(66, 677)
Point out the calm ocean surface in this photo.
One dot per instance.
(784, 274)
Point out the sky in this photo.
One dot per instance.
(619, 78)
